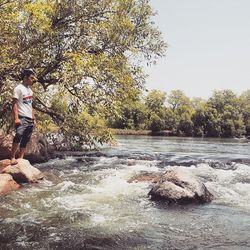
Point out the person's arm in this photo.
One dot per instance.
(15, 112)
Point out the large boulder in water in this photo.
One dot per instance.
(23, 172)
(37, 149)
(181, 187)
(7, 183)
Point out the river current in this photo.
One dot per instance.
(87, 202)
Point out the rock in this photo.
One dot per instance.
(4, 164)
(37, 149)
(181, 187)
(7, 183)
(147, 178)
(24, 172)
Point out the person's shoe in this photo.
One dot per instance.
(13, 161)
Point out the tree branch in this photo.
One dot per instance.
(55, 116)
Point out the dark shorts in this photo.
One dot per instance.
(24, 131)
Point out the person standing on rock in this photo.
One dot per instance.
(23, 114)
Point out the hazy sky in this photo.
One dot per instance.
(209, 46)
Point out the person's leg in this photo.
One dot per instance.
(21, 153)
(14, 149)
(25, 139)
(16, 140)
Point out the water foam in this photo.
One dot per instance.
(229, 187)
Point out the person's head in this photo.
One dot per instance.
(28, 76)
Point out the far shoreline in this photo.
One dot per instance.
(115, 131)
(166, 133)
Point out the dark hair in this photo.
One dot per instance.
(27, 73)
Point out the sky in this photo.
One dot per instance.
(208, 46)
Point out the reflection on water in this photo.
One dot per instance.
(86, 202)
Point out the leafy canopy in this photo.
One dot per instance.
(87, 55)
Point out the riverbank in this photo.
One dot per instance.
(115, 131)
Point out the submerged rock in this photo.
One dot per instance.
(181, 187)
(37, 149)
(7, 184)
(146, 178)
(23, 172)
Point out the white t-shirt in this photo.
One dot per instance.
(24, 96)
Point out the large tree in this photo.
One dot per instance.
(245, 109)
(227, 105)
(88, 56)
(155, 103)
(181, 109)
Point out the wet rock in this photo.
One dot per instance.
(223, 165)
(64, 154)
(7, 184)
(134, 156)
(86, 160)
(37, 149)
(24, 172)
(96, 154)
(4, 164)
(242, 161)
(127, 162)
(181, 187)
(145, 178)
(164, 163)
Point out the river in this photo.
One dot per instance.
(86, 201)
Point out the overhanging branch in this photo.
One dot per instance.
(55, 116)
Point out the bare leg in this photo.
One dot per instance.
(22, 151)
(14, 149)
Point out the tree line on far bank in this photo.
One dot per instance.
(224, 114)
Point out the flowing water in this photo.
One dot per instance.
(86, 201)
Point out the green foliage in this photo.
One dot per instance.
(156, 123)
(244, 100)
(130, 115)
(199, 121)
(155, 104)
(182, 110)
(88, 58)
(155, 101)
(222, 115)
(227, 113)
